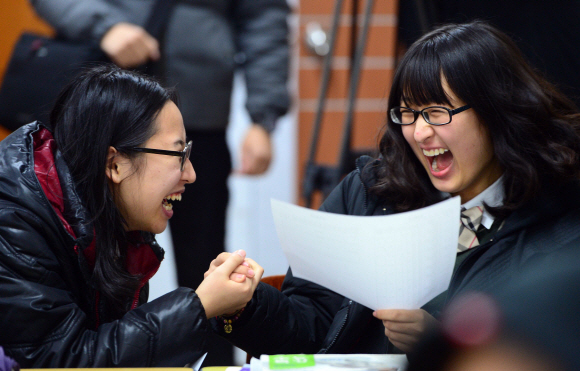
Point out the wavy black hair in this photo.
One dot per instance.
(102, 107)
(534, 129)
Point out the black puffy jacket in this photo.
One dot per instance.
(308, 318)
(50, 314)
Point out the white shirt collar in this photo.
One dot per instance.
(493, 196)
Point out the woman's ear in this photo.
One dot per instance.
(116, 164)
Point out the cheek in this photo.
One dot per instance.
(408, 133)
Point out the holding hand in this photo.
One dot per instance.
(219, 294)
(405, 327)
(129, 45)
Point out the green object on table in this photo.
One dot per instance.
(286, 361)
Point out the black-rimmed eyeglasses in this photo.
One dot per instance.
(435, 115)
(183, 154)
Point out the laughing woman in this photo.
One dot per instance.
(467, 117)
(79, 206)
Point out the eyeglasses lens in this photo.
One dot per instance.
(437, 115)
(186, 154)
(402, 116)
(433, 115)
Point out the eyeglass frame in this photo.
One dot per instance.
(452, 112)
(183, 154)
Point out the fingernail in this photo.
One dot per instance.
(250, 272)
(245, 264)
(241, 276)
(241, 253)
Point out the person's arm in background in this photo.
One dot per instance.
(128, 45)
(262, 39)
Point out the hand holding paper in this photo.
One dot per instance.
(404, 327)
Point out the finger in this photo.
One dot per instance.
(145, 47)
(257, 268)
(152, 46)
(403, 328)
(396, 315)
(138, 53)
(404, 347)
(220, 259)
(129, 57)
(246, 163)
(246, 271)
(231, 263)
(400, 338)
(238, 277)
(216, 263)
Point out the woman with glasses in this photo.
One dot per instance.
(468, 117)
(80, 202)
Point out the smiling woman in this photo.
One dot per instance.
(144, 195)
(459, 158)
(80, 202)
(467, 116)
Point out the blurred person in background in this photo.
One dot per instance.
(531, 325)
(205, 41)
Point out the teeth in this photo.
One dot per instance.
(168, 206)
(435, 152)
(174, 197)
(434, 165)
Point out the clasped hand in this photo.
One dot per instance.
(229, 283)
(405, 327)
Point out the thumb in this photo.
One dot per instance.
(152, 47)
(232, 262)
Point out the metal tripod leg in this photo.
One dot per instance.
(325, 178)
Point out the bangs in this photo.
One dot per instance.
(420, 79)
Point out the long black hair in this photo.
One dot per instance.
(102, 107)
(534, 129)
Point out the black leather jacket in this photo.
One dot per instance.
(307, 318)
(50, 314)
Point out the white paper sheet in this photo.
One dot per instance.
(398, 261)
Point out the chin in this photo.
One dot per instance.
(157, 229)
(444, 186)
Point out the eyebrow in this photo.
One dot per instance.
(179, 142)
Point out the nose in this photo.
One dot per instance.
(423, 130)
(188, 174)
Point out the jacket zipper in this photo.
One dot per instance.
(145, 279)
(339, 329)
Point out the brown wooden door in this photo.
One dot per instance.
(374, 84)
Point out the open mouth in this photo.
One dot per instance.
(439, 158)
(172, 197)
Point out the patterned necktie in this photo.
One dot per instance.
(470, 221)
